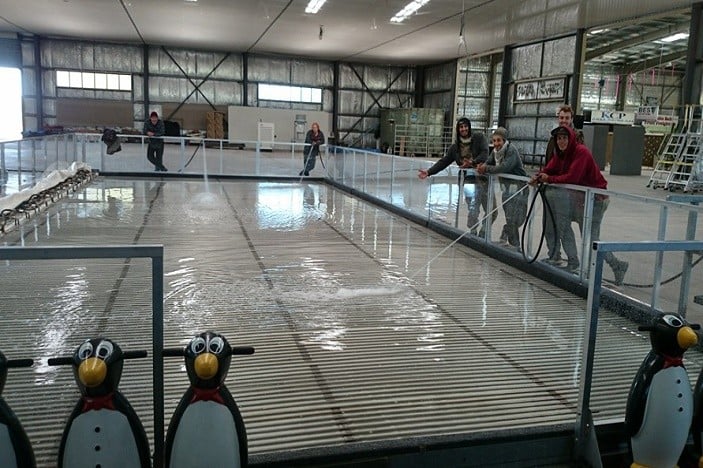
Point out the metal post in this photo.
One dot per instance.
(687, 264)
(366, 160)
(586, 232)
(586, 442)
(688, 256)
(661, 235)
(157, 324)
(392, 176)
(34, 156)
(222, 158)
(19, 163)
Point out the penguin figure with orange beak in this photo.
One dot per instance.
(15, 449)
(660, 404)
(206, 429)
(103, 430)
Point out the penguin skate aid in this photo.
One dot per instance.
(15, 448)
(224, 441)
(102, 416)
(660, 405)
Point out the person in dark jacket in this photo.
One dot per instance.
(573, 163)
(155, 129)
(505, 159)
(313, 139)
(468, 151)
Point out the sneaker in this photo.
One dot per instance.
(571, 268)
(504, 235)
(554, 261)
(301, 173)
(619, 271)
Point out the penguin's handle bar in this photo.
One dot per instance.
(66, 361)
(14, 363)
(176, 352)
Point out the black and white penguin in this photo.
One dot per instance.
(697, 424)
(660, 404)
(103, 429)
(207, 416)
(15, 449)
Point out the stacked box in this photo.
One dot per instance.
(216, 125)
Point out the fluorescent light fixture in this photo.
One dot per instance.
(314, 6)
(597, 31)
(408, 10)
(674, 37)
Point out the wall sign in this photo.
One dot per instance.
(542, 89)
(613, 117)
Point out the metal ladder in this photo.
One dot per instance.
(669, 152)
(682, 169)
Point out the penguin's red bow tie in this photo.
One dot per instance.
(672, 361)
(98, 403)
(207, 394)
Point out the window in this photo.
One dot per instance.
(269, 92)
(90, 80)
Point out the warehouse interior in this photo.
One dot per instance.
(239, 84)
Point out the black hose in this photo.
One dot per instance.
(547, 208)
(191, 158)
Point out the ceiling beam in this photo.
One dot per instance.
(649, 37)
(652, 63)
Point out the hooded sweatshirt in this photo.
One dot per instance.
(575, 165)
(476, 146)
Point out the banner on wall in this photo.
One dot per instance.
(541, 89)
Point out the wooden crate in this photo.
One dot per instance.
(216, 125)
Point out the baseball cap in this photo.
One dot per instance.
(560, 131)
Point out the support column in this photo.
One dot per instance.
(576, 78)
(505, 80)
(245, 79)
(38, 93)
(420, 87)
(335, 101)
(145, 81)
(691, 93)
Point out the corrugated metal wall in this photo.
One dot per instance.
(478, 90)
(529, 122)
(363, 91)
(174, 74)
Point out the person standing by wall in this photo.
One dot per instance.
(505, 159)
(155, 129)
(313, 139)
(468, 151)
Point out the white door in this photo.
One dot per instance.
(266, 135)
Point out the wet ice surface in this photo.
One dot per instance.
(349, 347)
